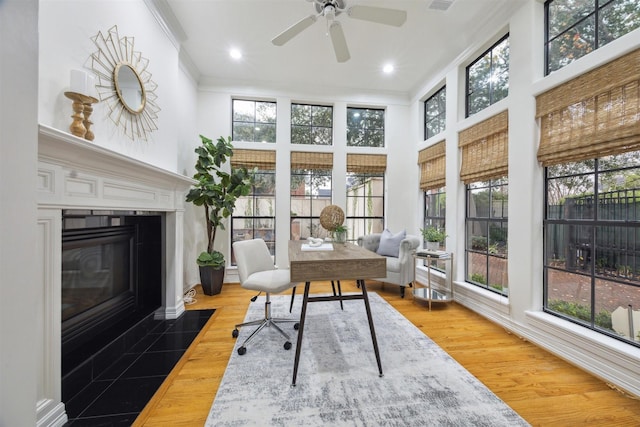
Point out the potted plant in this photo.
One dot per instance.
(340, 234)
(434, 236)
(216, 190)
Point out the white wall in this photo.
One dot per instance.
(65, 44)
(19, 280)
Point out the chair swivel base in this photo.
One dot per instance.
(263, 323)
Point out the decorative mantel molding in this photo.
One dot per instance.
(64, 149)
(76, 174)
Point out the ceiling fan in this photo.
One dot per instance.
(330, 9)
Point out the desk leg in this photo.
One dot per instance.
(371, 327)
(303, 315)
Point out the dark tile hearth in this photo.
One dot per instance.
(117, 393)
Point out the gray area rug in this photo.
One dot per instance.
(338, 382)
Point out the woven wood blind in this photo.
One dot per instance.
(302, 160)
(432, 163)
(366, 163)
(594, 115)
(261, 159)
(485, 148)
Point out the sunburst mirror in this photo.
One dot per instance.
(124, 84)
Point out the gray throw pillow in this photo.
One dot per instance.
(390, 243)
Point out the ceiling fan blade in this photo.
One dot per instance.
(380, 15)
(294, 30)
(339, 42)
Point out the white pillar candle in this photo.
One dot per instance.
(91, 86)
(78, 81)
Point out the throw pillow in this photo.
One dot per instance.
(390, 243)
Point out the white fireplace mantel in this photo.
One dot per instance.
(76, 174)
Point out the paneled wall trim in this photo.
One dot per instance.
(75, 174)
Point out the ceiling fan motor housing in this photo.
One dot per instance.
(336, 5)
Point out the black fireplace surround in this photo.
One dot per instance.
(111, 278)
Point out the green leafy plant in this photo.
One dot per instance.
(478, 278)
(216, 190)
(581, 312)
(340, 229)
(433, 234)
(214, 259)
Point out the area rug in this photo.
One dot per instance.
(338, 382)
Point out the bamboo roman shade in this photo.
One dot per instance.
(485, 149)
(432, 166)
(303, 160)
(592, 115)
(261, 159)
(366, 163)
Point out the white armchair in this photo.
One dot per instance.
(399, 270)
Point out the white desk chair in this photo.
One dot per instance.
(257, 272)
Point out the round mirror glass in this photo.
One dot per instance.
(129, 88)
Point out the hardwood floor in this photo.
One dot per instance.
(543, 389)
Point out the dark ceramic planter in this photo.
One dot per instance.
(211, 280)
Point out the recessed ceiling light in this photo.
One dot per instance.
(388, 68)
(235, 53)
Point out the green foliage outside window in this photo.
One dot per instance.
(365, 127)
(435, 109)
(254, 121)
(488, 77)
(311, 124)
(577, 27)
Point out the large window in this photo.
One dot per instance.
(365, 127)
(435, 203)
(435, 111)
(592, 244)
(486, 235)
(488, 78)
(254, 121)
(365, 204)
(576, 27)
(310, 193)
(311, 124)
(254, 214)
(365, 194)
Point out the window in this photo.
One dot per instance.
(311, 124)
(365, 127)
(254, 121)
(486, 235)
(432, 162)
(592, 244)
(435, 208)
(485, 164)
(575, 28)
(365, 194)
(254, 214)
(310, 193)
(488, 78)
(589, 146)
(435, 109)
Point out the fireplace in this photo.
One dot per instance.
(111, 277)
(134, 213)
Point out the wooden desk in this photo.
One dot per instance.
(345, 261)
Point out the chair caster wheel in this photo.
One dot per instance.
(287, 345)
(235, 333)
(242, 350)
(296, 326)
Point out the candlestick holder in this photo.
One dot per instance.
(77, 127)
(88, 109)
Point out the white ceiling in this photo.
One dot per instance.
(429, 40)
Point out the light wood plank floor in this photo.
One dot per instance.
(543, 389)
